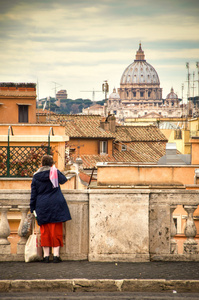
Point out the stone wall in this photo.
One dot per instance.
(118, 225)
(116, 174)
(113, 224)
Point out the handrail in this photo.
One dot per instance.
(51, 130)
(91, 178)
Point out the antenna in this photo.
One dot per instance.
(93, 93)
(44, 106)
(197, 66)
(37, 90)
(193, 84)
(188, 89)
(188, 80)
(37, 101)
(183, 107)
(55, 88)
(48, 112)
(105, 88)
(182, 99)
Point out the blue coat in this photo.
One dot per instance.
(48, 202)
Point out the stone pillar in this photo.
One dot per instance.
(4, 231)
(79, 167)
(131, 93)
(190, 246)
(137, 94)
(146, 94)
(21, 244)
(173, 243)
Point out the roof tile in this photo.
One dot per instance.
(82, 126)
(90, 161)
(139, 133)
(141, 152)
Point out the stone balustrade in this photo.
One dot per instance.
(115, 224)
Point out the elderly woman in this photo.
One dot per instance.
(50, 206)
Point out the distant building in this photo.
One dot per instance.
(114, 102)
(62, 94)
(96, 109)
(140, 94)
(17, 103)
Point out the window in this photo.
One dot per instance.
(141, 94)
(23, 113)
(149, 94)
(134, 94)
(124, 147)
(103, 147)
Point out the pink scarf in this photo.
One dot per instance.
(54, 176)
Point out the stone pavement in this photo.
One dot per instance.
(84, 276)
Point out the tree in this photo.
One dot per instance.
(53, 107)
(70, 106)
(74, 109)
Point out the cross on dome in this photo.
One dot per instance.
(140, 53)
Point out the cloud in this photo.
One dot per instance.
(81, 43)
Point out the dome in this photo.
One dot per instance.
(114, 95)
(172, 95)
(140, 71)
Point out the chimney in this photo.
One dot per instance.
(111, 122)
(108, 123)
(105, 110)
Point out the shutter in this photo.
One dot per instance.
(23, 113)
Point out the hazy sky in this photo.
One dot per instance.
(76, 45)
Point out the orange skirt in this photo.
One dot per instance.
(51, 235)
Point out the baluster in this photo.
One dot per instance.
(21, 244)
(5, 247)
(173, 243)
(190, 245)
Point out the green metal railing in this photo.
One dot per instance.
(8, 150)
(21, 161)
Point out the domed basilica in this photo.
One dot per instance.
(140, 94)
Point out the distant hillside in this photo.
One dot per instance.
(67, 106)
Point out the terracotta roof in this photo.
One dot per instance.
(141, 152)
(139, 133)
(144, 143)
(18, 85)
(44, 112)
(90, 161)
(82, 126)
(86, 178)
(148, 152)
